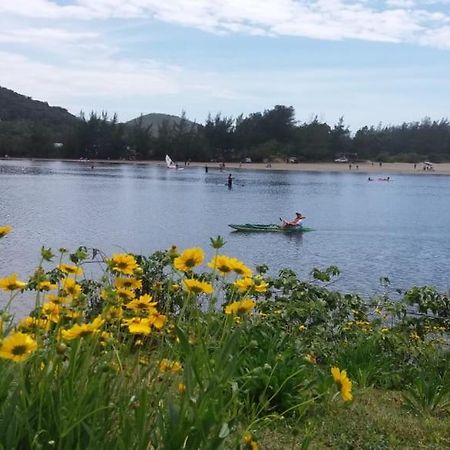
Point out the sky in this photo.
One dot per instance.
(372, 62)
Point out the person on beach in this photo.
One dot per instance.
(295, 222)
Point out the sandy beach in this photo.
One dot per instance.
(363, 167)
(375, 168)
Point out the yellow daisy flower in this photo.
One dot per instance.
(240, 307)
(243, 284)
(11, 283)
(4, 230)
(59, 299)
(127, 283)
(51, 311)
(249, 442)
(17, 347)
(32, 323)
(125, 294)
(71, 287)
(137, 325)
(197, 286)
(261, 286)
(123, 263)
(222, 263)
(166, 365)
(143, 303)
(158, 320)
(343, 382)
(240, 268)
(70, 269)
(46, 286)
(83, 330)
(190, 258)
(113, 313)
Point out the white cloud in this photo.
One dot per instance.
(399, 21)
(62, 82)
(37, 36)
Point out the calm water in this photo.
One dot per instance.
(368, 229)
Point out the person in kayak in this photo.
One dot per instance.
(295, 222)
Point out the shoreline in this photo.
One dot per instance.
(363, 167)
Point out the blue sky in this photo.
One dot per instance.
(370, 61)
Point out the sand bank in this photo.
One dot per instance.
(388, 168)
(363, 167)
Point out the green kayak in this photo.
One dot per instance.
(271, 227)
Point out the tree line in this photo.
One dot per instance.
(271, 135)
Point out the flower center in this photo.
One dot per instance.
(19, 350)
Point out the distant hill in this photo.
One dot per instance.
(17, 107)
(156, 120)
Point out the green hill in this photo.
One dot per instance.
(31, 127)
(157, 120)
(17, 107)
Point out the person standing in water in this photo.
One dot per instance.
(230, 181)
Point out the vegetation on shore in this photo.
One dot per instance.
(170, 351)
(30, 129)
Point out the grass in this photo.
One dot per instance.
(377, 419)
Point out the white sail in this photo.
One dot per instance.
(170, 163)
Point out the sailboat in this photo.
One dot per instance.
(170, 164)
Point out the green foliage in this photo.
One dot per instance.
(29, 128)
(201, 374)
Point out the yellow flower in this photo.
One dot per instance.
(301, 328)
(11, 283)
(343, 382)
(197, 286)
(189, 259)
(86, 329)
(71, 287)
(137, 325)
(144, 303)
(123, 263)
(158, 320)
(127, 283)
(166, 365)
(17, 347)
(311, 358)
(181, 388)
(240, 307)
(243, 284)
(59, 299)
(249, 442)
(31, 323)
(222, 263)
(46, 286)
(113, 313)
(240, 268)
(104, 337)
(125, 294)
(70, 314)
(260, 285)
(70, 269)
(51, 311)
(4, 230)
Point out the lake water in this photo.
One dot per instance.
(369, 230)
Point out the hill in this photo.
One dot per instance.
(157, 120)
(17, 107)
